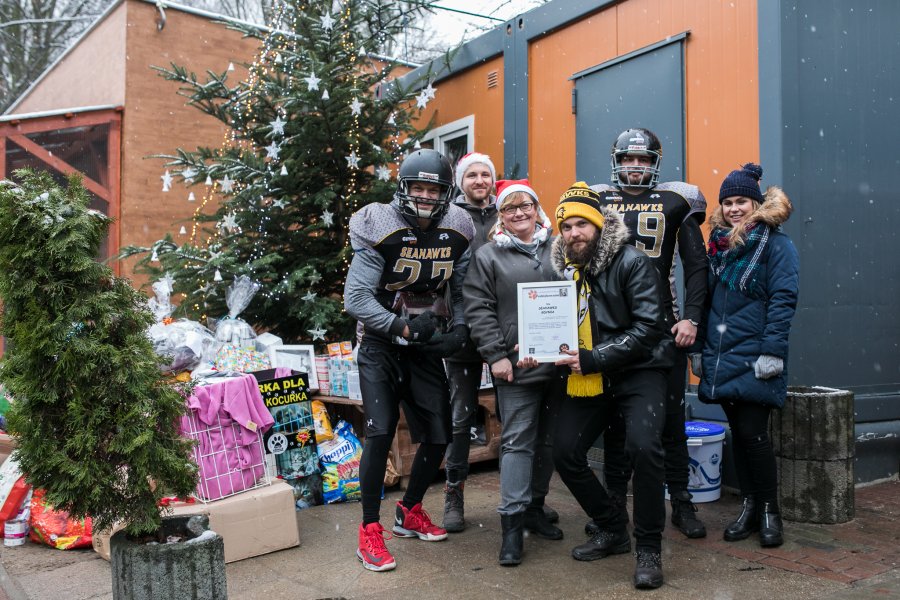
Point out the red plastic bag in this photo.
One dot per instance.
(13, 502)
(55, 528)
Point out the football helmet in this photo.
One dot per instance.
(638, 141)
(426, 166)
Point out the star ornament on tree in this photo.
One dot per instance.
(279, 203)
(278, 125)
(327, 218)
(383, 173)
(310, 296)
(317, 334)
(422, 100)
(429, 91)
(352, 160)
(229, 222)
(356, 106)
(189, 174)
(327, 22)
(227, 185)
(272, 151)
(312, 81)
(167, 181)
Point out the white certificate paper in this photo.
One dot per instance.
(548, 319)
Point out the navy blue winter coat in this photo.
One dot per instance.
(740, 328)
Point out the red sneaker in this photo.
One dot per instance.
(415, 522)
(372, 552)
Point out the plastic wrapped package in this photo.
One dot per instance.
(322, 422)
(161, 305)
(231, 358)
(340, 465)
(55, 528)
(232, 330)
(184, 343)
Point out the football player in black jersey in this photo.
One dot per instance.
(405, 287)
(664, 221)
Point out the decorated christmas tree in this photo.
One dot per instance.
(95, 422)
(315, 131)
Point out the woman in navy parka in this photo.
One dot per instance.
(754, 280)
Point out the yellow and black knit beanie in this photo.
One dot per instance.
(579, 201)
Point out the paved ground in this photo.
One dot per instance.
(855, 560)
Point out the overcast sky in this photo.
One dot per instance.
(452, 26)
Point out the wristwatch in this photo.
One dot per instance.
(693, 322)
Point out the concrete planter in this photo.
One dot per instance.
(815, 449)
(192, 570)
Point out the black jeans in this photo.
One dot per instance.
(638, 399)
(754, 458)
(465, 381)
(616, 467)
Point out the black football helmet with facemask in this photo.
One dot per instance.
(425, 166)
(638, 141)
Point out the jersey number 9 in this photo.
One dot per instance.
(650, 231)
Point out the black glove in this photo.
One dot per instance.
(447, 344)
(422, 327)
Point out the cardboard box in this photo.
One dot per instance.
(7, 445)
(251, 523)
(353, 390)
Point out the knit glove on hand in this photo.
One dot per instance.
(447, 344)
(768, 366)
(696, 363)
(422, 327)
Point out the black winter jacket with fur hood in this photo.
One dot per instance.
(626, 306)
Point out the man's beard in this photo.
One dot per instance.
(583, 255)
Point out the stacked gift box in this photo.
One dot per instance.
(341, 363)
(322, 374)
(291, 442)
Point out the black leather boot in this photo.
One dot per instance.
(536, 522)
(746, 523)
(648, 573)
(454, 507)
(552, 515)
(511, 546)
(771, 529)
(684, 515)
(602, 544)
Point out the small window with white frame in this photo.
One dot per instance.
(453, 140)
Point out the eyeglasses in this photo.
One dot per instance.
(525, 207)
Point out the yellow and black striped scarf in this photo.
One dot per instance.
(578, 384)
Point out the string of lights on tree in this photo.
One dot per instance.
(308, 143)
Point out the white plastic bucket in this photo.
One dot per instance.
(705, 450)
(15, 533)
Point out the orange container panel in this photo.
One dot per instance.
(477, 91)
(721, 86)
(551, 124)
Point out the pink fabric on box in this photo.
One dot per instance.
(283, 372)
(227, 419)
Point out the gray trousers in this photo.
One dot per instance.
(527, 417)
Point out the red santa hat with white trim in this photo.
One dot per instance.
(506, 187)
(470, 159)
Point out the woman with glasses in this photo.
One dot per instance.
(518, 252)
